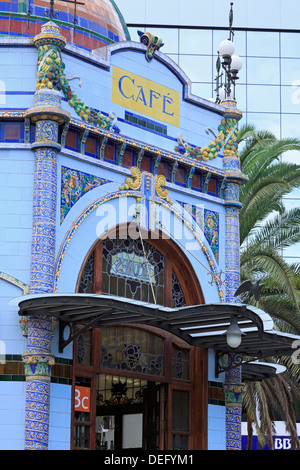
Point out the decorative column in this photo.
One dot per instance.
(234, 393)
(233, 387)
(47, 115)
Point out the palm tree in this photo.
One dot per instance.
(266, 229)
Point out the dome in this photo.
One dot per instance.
(98, 22)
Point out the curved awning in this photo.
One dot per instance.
(199, 325)
(253, 371)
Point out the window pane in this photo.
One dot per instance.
(87, 279)
(105, 432)
(291, 156)
(241, 94)
(263, 98)
(292, 253)
(84, 348)
(180, 411)
(132, 431)
(197, 68)
(12, 131)
(178, 299)
(290, 45)
(263, 71)
(180, 442)
(180, 363)
(195, 41)
(262, 121)
(290, 99)
(81, 437)
(290, 125)
(132, 349)
(262, 44)
(169, 38)
(125, 274)
(113, 390)
(290, 71)
(71, 139)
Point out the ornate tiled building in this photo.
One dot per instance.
(119, 242)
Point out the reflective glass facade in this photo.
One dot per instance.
(268, 89)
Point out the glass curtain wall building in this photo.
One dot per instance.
(267, 38)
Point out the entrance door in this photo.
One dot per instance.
(121, 428)
(154, 417)
(136, 426)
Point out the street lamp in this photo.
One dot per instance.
(231, 64)
(226, 49)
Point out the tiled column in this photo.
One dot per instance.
(234, 392)
(47, 115)
(233, 378)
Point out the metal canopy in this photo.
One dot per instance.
(256, 371)
(199, 325)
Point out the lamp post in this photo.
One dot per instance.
(231, 64)
(228, 66)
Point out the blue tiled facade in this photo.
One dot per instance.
(57, 180)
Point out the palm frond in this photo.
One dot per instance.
(282, 231)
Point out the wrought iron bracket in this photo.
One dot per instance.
(225, 361)
(62, 341)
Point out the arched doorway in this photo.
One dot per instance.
(147, 389)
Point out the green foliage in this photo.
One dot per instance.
(266, 229)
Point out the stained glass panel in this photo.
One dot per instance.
(180, 363)
(115, 390)
(177, 294)
(86, 285)
(128, 270)
(131, 349)
(84, 348)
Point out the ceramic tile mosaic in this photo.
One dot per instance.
(75, 184)
(208, 221)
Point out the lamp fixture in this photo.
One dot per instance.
(234, 334)
(226, 48)
(231, 64)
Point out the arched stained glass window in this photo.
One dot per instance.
(135, 269)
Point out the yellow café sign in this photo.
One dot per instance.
(145, 97)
